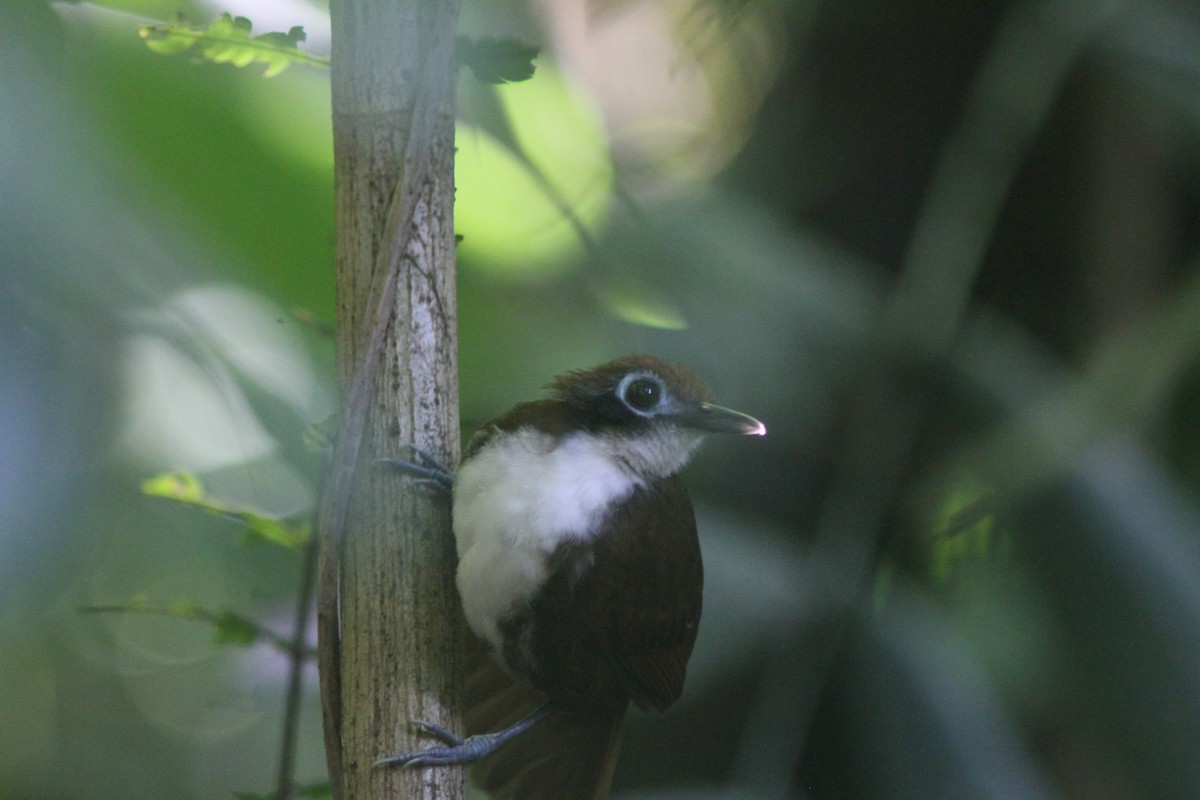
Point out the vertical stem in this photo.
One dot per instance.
(388, 617)
(299, 656)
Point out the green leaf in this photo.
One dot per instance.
(186, 488)
(551, 160)
(640, 304)
(260, 529)
(182, 486)
(228, 627)
(968, 546)
(185, 609)
(232, 628)
(227, 40)
(495, 60)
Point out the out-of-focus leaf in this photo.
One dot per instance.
(320, 435)
(549, 159)
(185, 609)
(235, 629)
(227, 40)
(182, 486)
(186, 488)
(229, 627)
(497, 60)
(640, 304)
(966, 543)
(260, 529)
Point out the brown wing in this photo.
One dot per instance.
(618, 616)
(660, 590)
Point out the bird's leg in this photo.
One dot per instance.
(425, 468)
(463, 751)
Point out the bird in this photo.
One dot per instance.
(579, 572)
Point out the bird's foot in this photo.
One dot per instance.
(426, 469)
(457, 749)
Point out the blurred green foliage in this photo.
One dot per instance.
(227, 40)
(186, 488)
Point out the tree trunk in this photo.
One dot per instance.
(390, 639)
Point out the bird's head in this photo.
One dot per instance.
(653, 413)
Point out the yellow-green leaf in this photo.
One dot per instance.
(264, 529)
(227, 40)
(182, 486)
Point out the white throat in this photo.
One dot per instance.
(525, 492)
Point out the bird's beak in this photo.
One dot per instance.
(715, 419)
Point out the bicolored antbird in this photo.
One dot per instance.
(580, 573)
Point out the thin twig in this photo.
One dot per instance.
(299, 649)
(213, 618)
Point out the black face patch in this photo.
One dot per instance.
(583, 388)
(629, 393)
(611, 410)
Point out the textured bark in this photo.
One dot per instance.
(390, 640)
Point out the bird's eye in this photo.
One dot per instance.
(642, 394)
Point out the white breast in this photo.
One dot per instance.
(514, 502)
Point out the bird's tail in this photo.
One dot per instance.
(565, 756)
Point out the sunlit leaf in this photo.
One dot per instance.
(642, 305)
(182, 486)
(186, 488)
(227, 40)
(524, 206)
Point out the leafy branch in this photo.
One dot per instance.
(186, 488)
(228, 626)
(227, 40)
(232, 628)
